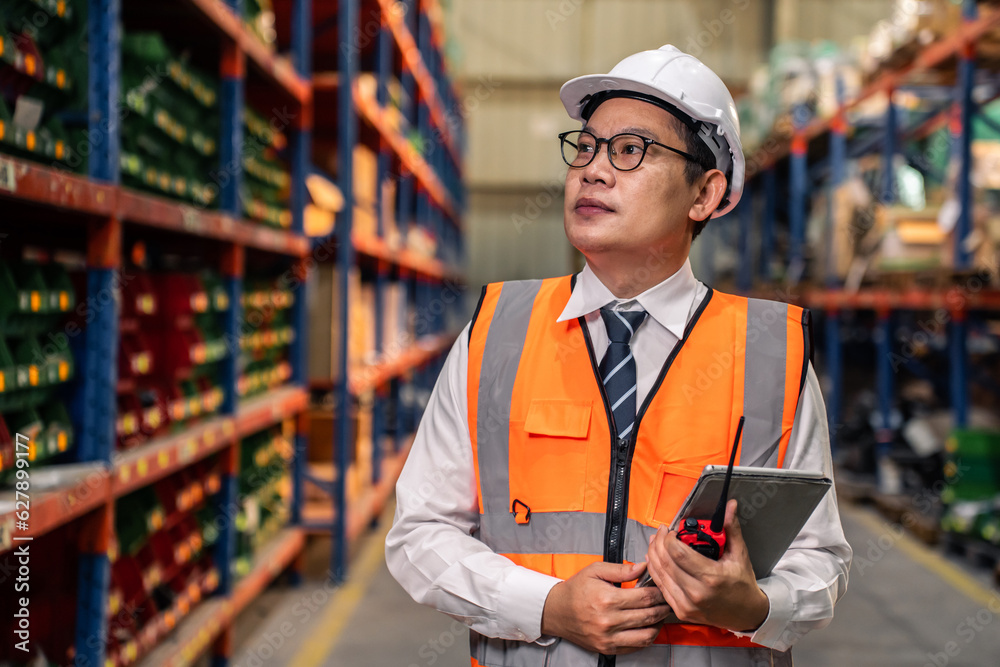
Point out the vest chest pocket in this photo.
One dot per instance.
(672, 484)
(548, 455)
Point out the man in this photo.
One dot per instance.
(574, 415)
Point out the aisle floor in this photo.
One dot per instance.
(905, 606)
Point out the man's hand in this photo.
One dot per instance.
(721, 593)
(590, 611)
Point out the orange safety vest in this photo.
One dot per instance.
(552, 499)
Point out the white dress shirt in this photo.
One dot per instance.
(430, 549)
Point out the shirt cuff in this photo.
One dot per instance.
(772, 632)
(523, 601)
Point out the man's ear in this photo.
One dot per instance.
(713, 189)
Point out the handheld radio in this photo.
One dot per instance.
(704, 536)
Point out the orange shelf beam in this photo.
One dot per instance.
(139, 467)
(277, 68)
(908, 299)
(373, 246)
(30, 182)
(153, 211)
(928, 58)
(206, 622)
(158, 458)
(56, 189)
(258, 413)
(88, 488)
(365, 378)
(425, 82)
(408, 155)
(364, 509)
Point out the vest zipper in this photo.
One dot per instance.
(612, 485)
(622, 450)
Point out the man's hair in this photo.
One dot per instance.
(693, 169)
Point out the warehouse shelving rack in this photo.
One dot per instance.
(817, 151)
(407, 42)
(430, 195)
(102, 209)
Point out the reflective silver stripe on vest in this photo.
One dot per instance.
(660, 655)
(637, 540)
(501, 356)
(545, 533)
(561, 533)
(508, 653)
(764, 382)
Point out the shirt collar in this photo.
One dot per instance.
(668, 302)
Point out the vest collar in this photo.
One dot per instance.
(669, 302)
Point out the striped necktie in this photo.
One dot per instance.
(617, 368)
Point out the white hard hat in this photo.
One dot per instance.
(683, 85)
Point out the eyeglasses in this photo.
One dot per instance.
(625, 151)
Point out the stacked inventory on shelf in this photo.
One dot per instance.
(264, 491)
(266, 187)
(882, 170)
(972, 494)
(161, 558)
(36, 362)
(179, 496)
(383, 315)
(267, 338)
(122, 370)
(259, 18)
(169, 137)
(172, 349)
(42, 55)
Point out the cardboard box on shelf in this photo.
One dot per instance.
(925, 21)
(363, 449)
(364, 220)
(390, 230)
(324, 314)
(396, 334)
(913, 240)
(421, 241)
(856, 229)
(361, 336)
(986, 164)
(365, 175)
(323, 426)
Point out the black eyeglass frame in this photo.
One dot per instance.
(646, 143)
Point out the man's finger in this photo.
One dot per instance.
(641, 598)
(732, 523)
(617, 573)
(685, 559)
(640, 618)
(630, 641)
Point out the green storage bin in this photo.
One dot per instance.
(137, 516)
(62, 296)
(25, 300)
(972, 468)
(28, 423)
(31, 363)
(8, 372)
(58, 427)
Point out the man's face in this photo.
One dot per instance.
(610, 213)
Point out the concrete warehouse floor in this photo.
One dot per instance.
(906, 605)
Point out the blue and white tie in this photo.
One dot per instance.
(617, 368)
